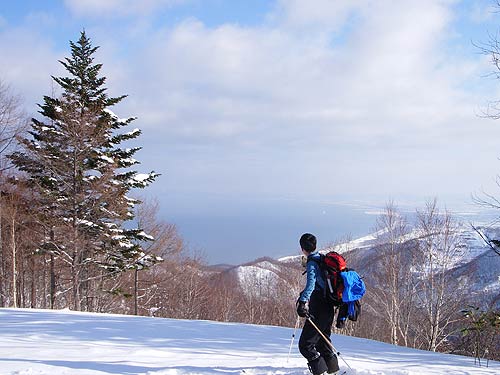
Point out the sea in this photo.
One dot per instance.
(237, 230)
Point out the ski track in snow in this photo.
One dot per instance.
(42, 342)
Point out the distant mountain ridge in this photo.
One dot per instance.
(478, 262)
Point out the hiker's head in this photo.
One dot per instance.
(308, 242)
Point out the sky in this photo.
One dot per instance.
(60, 342)
(262, 116)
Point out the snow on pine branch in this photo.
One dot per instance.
(124, 121)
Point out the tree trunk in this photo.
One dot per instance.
(136, 290)
(14, 272)
(52, 282)
(75, 286)
(33, 282)
(52, 275)
(2, 259)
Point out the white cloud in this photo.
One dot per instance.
(29, 63)
(317, 100)
(379, 104)
(390, 70)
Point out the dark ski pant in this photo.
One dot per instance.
(311, 344)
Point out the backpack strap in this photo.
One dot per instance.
(319, 262)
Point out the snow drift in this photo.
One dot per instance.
(44, 342)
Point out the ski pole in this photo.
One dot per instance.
(328, 341)
(293, 337)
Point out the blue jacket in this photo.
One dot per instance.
(314, 277)
(354, 286)
(354, 289)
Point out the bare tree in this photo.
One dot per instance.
(491, 48)
(492, 243)
(439, 295)
(224, 296)
(18, 263)
(167, 241)
(395, 285)
(13, 121)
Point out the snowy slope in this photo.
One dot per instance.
(260, 277)
(41, 342)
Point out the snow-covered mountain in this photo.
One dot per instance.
(49, 342)
(260, 277)
(475, 260)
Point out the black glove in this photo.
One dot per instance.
(302, 309)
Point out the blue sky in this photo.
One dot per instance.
(254, 109)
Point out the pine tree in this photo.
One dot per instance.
(82, 177)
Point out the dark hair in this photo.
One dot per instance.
(308, 242)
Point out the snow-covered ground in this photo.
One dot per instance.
(42, 342)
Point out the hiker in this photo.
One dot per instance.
(313, 304)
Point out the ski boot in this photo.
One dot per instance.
(332, 364)
(317, 366)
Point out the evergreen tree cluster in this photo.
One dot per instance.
(75, 163)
